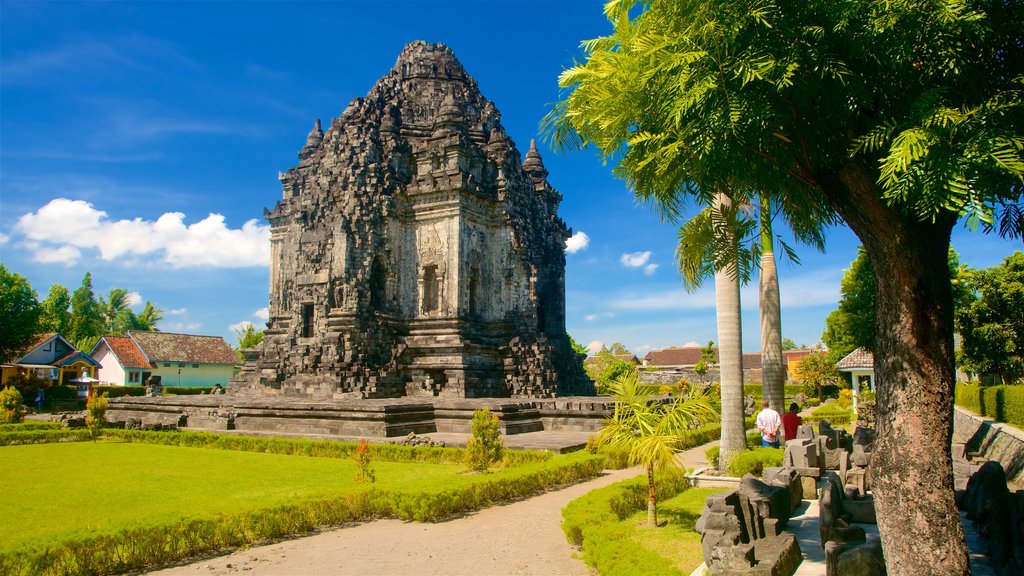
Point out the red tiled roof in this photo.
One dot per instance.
(673, 357)
(792, 355)
(859, 359)
(40, 338)
(126, 352)
(170, 347)
(751, 360)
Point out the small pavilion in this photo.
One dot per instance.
(861, 365)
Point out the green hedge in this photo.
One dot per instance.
(1002, 403)
(44, 437)
(186, 390)
(593, 523)
(145, 547)
(754, 461)
(832, 413)
(118, 391)
(27, 425)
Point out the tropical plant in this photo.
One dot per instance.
(19, 309)
(816, 371)
(484, 447)
(112, 307)
(649, 431)
(576, 346)
(903, 116)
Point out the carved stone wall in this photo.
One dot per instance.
(414, 252)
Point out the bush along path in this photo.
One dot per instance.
(524, 537)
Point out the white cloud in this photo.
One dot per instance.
(262, 314)
(590, 317)
(595, 346)
(4, 238)
(239, 326)
(69, 225)
(577, 242)
(133, 299)
(635, 259)
(180, 326)
(66, 255)
(677, 299)
(176, 312)
(692, 344)
(650, 268)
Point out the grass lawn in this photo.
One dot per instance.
(81, 489)
(677, 541)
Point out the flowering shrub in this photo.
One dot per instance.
(11, 408)
(363, 460)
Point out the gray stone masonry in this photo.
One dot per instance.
(414, 252)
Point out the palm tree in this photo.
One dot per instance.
(115, 304)
(730, 334)
(650, 432)
(772, 367)
(147, 319)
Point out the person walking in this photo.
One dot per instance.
(768, 422)
(791, 421)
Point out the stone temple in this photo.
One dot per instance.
(414, 253)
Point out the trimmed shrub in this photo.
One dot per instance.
(755, 461)
(185, 390)
(831, 412)
(97, 418)
(812, 402)
(11, 408)
(119, 391)
(485, 446)
(713, 455)
(28, 425)
(1002, 403)
(43, 437)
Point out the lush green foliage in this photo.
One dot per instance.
(712, 455)
(484, 447)
(86, 325)
(754, 461)
(20, 312)
(816, 371)
(604, 367)
(16, 437)
(992, 324)
(605, 523)
(757, 390)
(213, 507)
(1003, 403)
(55, 313)
(576, 346)
(248, 337)
(11, 407)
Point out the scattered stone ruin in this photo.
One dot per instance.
(414, 253)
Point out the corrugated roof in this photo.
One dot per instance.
(171, 347)
(859, 359)
(126, 352)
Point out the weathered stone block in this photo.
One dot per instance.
(850, 559)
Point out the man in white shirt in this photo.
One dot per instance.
(769, 422)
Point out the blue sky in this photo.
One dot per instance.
(142, 140)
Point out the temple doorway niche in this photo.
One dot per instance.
(378, 284)
(307, 321)
(431, 294)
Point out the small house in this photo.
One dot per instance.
(179, 359)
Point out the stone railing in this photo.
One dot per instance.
(991, 440)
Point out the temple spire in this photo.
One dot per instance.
(533, 165)
(313, 140)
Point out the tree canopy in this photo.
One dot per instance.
(992, 323)
(902, 116)
(20, 312)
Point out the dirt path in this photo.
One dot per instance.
(521, 538)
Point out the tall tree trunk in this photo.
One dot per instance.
(772, 361)
(912, 471)
(730, 355)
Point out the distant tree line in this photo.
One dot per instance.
(80, 316)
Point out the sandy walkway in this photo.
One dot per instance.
(519, 538)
